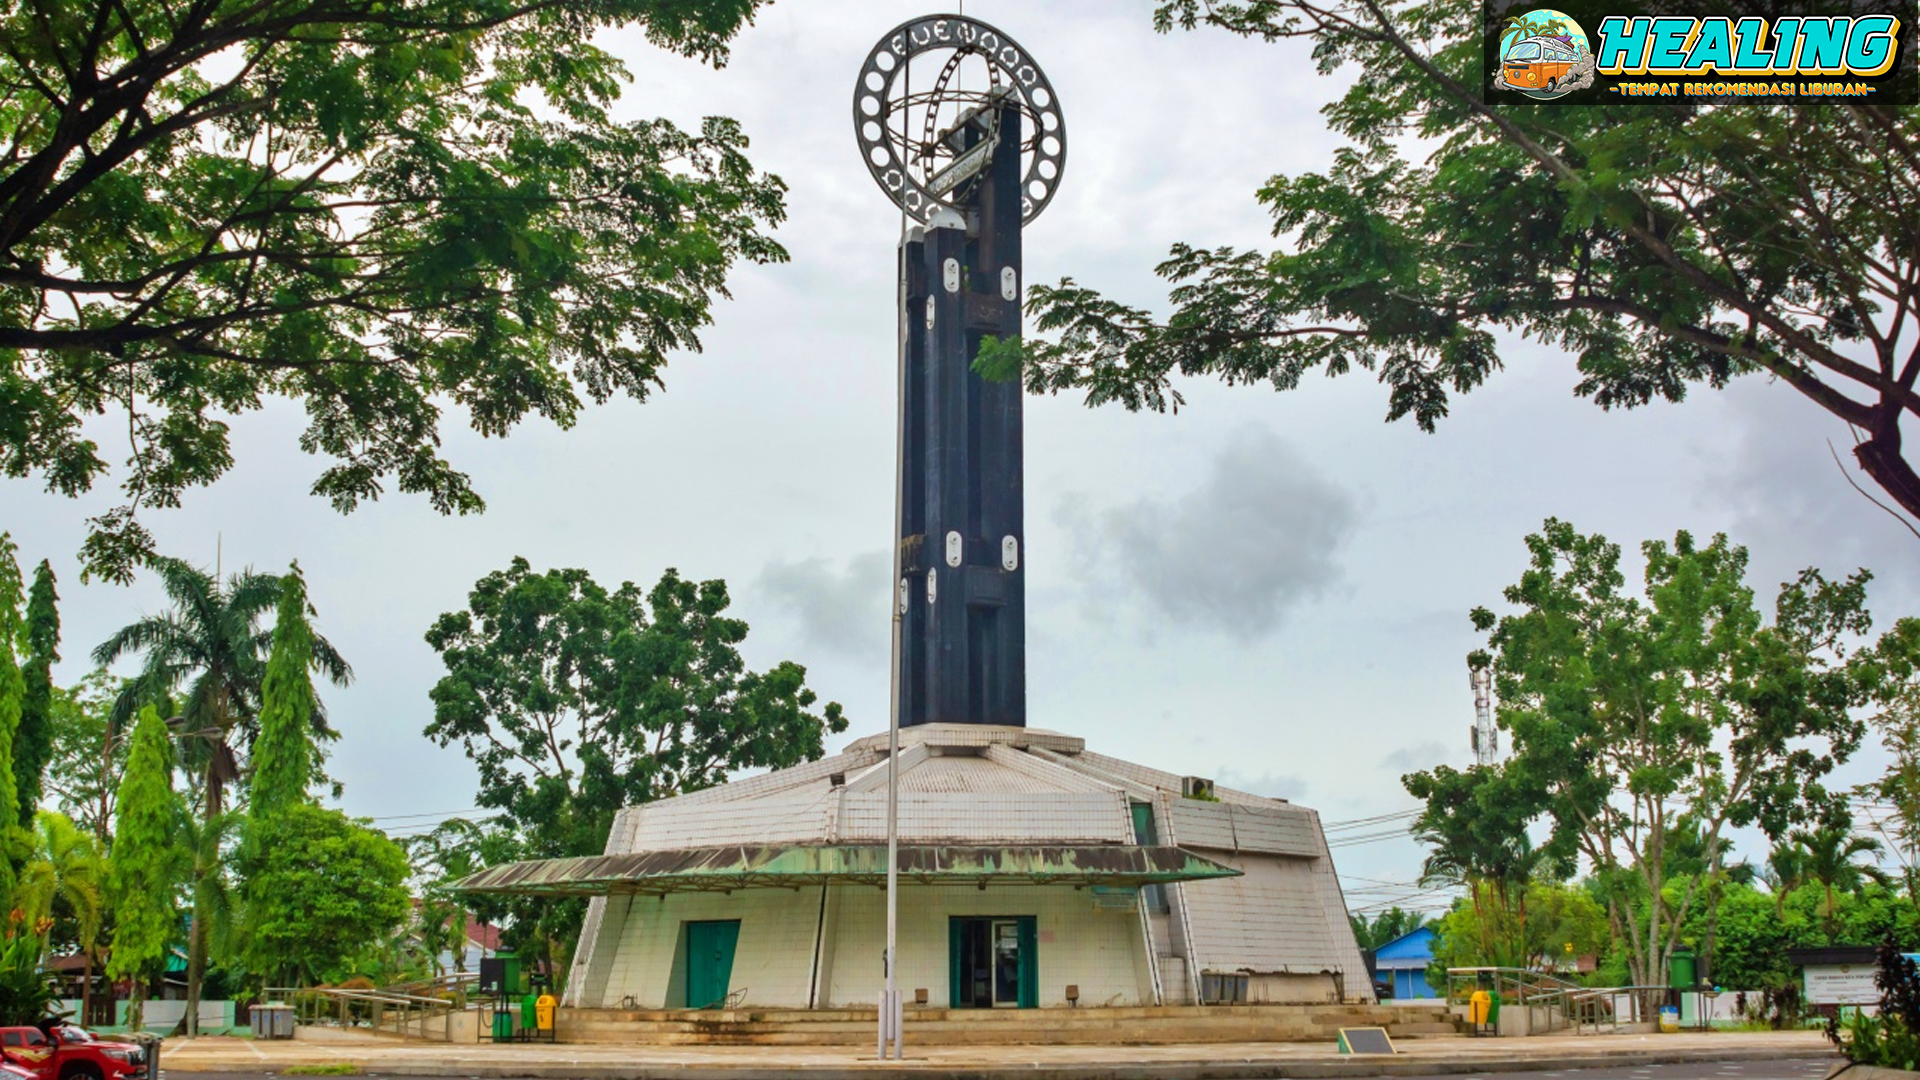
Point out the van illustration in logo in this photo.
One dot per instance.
(1543, 54)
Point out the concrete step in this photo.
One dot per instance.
(1350, 1014)
(1402, 1031)
(943, 1027)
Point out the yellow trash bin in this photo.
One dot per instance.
(543, 1011)
(1477, 1007)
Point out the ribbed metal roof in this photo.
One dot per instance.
(761, 866)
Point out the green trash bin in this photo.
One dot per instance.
(502, 1023)
(529, 1012)
(1684, 976)
(1684, 972)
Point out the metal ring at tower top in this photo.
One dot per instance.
(897, 124)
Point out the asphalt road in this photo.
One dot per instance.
(1783, 1069)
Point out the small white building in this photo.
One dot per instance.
(1034, 873)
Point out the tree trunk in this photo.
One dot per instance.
(196, 970)
(197, 932)
(137, 1005)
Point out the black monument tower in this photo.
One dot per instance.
(968, 169)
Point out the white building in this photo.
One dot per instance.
(1034, 873)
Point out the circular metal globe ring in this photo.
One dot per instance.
(885, 107)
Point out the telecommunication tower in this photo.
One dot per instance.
(1486, 737)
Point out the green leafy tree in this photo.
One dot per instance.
(440, 929)
(378, 208)
(1754, 935)
(283, 755)
(1690, 854)
(1650, 725)
(1897, 721)
(1395, 922)
(1474, 825)
(13, 700)
(33, 744)
(575, 701)
(448, 852)
(1838, 861)
(88, 755)
(147, 868)
(208, 651)
(1667, 243)
(1564, 922)
(320, 888)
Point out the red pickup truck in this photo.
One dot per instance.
(56, 1050)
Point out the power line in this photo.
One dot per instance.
(1378, 819)
(1369, 838)
(430, 813)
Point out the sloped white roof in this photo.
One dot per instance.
(970, 784)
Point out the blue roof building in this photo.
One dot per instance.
(1402, 964)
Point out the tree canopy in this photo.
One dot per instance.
(283, 755)
(33, 743)
(1474, 825)
(1384, 926)
(1644, 728)
(575, 701)
(320, 888)
(14, 648)
(147, 867)
(380, 209)
(1667, 243)
(88, 757)
(209, 650)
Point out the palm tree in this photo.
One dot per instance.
(439, 928)
(1831, 859)
(203, 844)
(65, 868)
(1494, 863)
(209, 653)
(1786, 871)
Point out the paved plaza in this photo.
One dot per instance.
(1706, 1056)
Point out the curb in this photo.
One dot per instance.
(1244, 1069)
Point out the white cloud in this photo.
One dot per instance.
(1260, 536)
(840, 607)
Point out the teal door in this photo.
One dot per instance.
(993, 962)
(710, 961)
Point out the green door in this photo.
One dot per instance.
(1029, 937)
(993, 962)
(710, 961)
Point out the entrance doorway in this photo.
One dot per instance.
(710, 948)
(993, 962)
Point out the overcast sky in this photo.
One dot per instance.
(1270, 589)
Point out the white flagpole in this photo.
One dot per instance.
(890, 1011)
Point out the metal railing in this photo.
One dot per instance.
(454, 986)
(393, 1010)
(1554, 1003)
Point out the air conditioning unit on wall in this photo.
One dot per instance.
(1196, 787)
